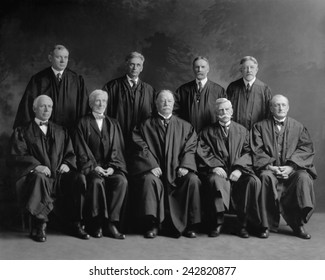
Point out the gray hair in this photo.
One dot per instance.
(200, 58)
(278, 96)
(93, 94)
(57, 47)
(134, 55)
(220, 101)
(248, 58)
(164, 90)
(36, 100)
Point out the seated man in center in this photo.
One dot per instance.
(99, 147)
(225, 160)
(164, 170)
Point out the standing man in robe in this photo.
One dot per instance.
(99, 148)
(225, 161)
(65, 87)
(130, 100)
(249, 96)
(283, 155)
(195, 101)
(43, 164)
(164, 166)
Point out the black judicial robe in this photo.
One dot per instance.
(91, 144)
(297, 149)
(199, 114)
(70, 98)
(30, 148)
(212, 152)
(129, 106)
(297, 146)
(248, 111)
(178, 151)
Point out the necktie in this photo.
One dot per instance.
(278, 123)
(98, 116)
(198, 94)
(248, 88)
(133, 83)
(43, 123)
(225, 129)
(59, 77)
(166, 122)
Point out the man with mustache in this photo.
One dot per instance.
(164, 170)
(65, 87)
(195, 100)
(130, 100)
(225, 163)
(283, 155)
(249, 96)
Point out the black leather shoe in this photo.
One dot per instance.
(40, 233)
(264, 233)
(190, 234)
(80, 232)
(151, 233)
(98, 233)
(216, 231)
(300, 232)
(112, 231)
(243, 233)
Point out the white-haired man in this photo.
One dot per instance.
(65, 87)
(226, 164)
(43, 165)
(249, 96)
(283, 155)
(99, 147)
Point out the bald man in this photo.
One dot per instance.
(65, 87)
(283, 155)
(43, 165)
(226, 168)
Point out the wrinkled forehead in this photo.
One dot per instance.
(223, 105)
(163, 95)
(279, 100)
(44, 100)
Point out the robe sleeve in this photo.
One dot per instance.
(187, 157)
(142, 160)
(116, 160)
(206, 157)
(303, 155)
(69, 156)
(261, 157)
(85, 159)
(20, 160)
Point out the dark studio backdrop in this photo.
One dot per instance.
(286, 36)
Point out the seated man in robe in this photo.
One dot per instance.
(99, 148)
(164, 168)
(283, 155)
(43, 164)
(225, 162)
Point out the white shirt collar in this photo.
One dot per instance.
(56, 71)
(166, 118)
(225, 124)
(204, 81)
(130, 79)
(249, 82)
(282, 120)
(43, 127)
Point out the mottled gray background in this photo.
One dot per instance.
(286, 37)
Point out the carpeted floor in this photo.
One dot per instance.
(16, 245)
